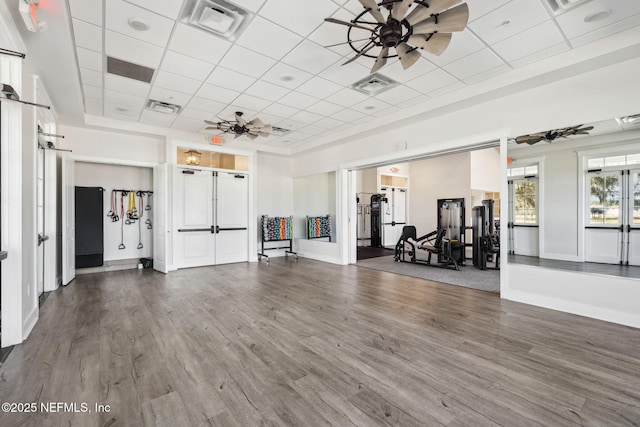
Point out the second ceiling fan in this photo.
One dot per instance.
(252, 128)
(427, 26)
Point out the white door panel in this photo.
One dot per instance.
(196, 201)
(159, 218)
(400, 206)
(525, 241)
(232, 200)
(68, 220)
(634, 247)
(603, 245)
(232, 246)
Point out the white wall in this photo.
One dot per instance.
(444, 177)
(112, 177)
(485, 170)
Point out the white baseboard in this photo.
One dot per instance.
(323, 258)
(29, 322)
(561, 257)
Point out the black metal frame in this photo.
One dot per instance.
(442, 247)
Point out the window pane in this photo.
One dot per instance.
(531, 170)
(633, 159)
(614, 161)
(612, 216)
(596, 201)
(595, 163)
(517, 171)
(525, 195)
(636, 198)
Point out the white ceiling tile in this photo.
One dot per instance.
(276, 45)
(87, 10)
(90, 77)
(394, 69)
(416, 101)
(528, 42)
(207, 105)
(132, 50)
(314, 130)
(600, 33)
(157, 119)
(447, 89)
(398, 95)
(247, 62)
(349, 115)
(266, 90)
(540, 55)
(187, 124)
(168, 8)
(89, 59)
(123, 84)
(432, 81)
(298, 100)
(329, 123)
(370, 106)
(311, 57)
(251, 102)
(501, 69)
(252, 5)
(286, 76)
(176, 82)
(325, 108)
(198, 44)
(478, 8)
(281, 110)
(119, 112)
(291, 124)
(319, 87)
(509, 20)
(92, 92)
(573, 22)
(476, 63)
(269, 118)
(345, 75)
(197, 114)
(229, 113)
(124, 99)
(300, 16)
(169, 96)
(347, 97)
(217, 93)
(119, 13)
(355, 7)
(93, 106)
(330, 34)
(230, 79)
(306, 117)
(186, 66)
(462, 44)
(87, 35)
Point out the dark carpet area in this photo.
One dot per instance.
(366, 252)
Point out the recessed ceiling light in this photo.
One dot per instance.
(597, 16)
(138, 24)
(505, 23)
(286, 78)
(369, 107)
(122, 110)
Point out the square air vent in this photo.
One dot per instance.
(374, 84)
(275, 130)
(129, 70)
(163, 107)
(560, 6)
(219, 17)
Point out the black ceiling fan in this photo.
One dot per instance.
(252, 128)
(427, 26)
(553, 134)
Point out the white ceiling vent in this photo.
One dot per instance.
(374, 84)
(163, 107)
(279, 131)
(219, 17)
(629, 122)
(561, 6)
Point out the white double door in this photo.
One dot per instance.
(211, 217)
(394, 214)
(612, 233)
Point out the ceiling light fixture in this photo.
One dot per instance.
(287, 78)
(138, 24)
(427, 26)
(597, 16)
(192, 157)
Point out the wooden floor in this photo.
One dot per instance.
(314, 344)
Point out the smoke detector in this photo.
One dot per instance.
(163, 107)
(374, 84)
(220, 18)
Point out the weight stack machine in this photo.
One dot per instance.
(451, 218)
(376, 220)
(483, 234)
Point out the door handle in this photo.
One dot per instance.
(3, 255)
(42, 238)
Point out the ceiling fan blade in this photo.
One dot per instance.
(264, 133)
(256, 122)
(266, 129)
(588, 128)
(252, 136)
(381, 60)
(435, 43)
(451, 20)
(348, 24)
(407, 56)
(420, 13)
(350, 41)
(400, 9)
(364, 50)
(373, 10)
(529, 139)
(240, 120)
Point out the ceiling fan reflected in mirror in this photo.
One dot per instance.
(409, 25)
(252, 128)
(553, 134)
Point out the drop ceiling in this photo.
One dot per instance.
(279, 70)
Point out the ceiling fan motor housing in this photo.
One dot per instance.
(391, 33)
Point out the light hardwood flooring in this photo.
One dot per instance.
(312, 344)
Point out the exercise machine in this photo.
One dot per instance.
(486, 236)
(451, 218)
(377, 201)
(434, 243)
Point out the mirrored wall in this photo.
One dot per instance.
(314, 203)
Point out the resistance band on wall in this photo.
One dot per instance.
(132, 214)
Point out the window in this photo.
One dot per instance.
(525, 195)
(604, 201)
(636, 198)
(612, 161)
